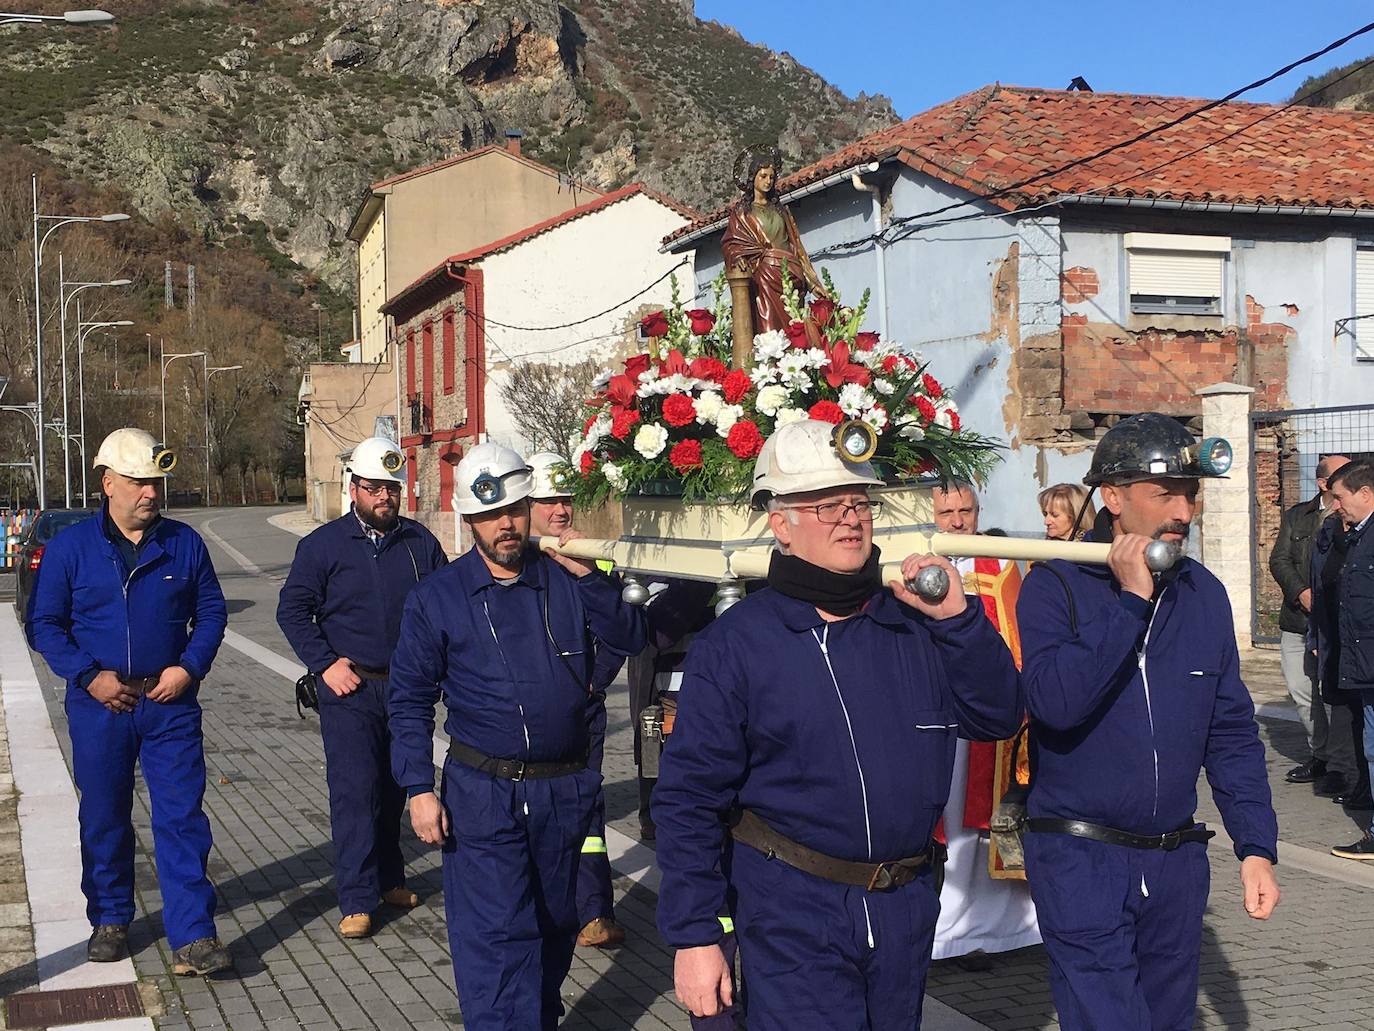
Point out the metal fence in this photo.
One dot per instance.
(1284, 450)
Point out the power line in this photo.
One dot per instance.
(615, 307)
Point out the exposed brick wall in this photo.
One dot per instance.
(1078, 284)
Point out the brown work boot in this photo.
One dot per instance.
(601, 933)
(401, 898)
(203, 956)
(356, 925)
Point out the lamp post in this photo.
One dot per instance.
(83, 329)
(64, 299)
(39, 239)
(167, 360)
(210, 371)
(68, 18)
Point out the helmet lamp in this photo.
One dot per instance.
(487, 489)
(164, 458)
(1215, 456)
(856, 440)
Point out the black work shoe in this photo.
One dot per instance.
(1354, 800)
(201, 957)
(1330, 784)
(1306, 773)
(108, 943)
(1362, 849)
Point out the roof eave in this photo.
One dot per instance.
(366, 215)
(1215, 207)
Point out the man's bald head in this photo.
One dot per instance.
(956, 508)
(1326, 468)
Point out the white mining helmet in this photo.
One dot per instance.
(490, 477)
(377, 458)
(136, 454)
(807, 455)
(552, 478)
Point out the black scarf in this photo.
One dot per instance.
(840, 594)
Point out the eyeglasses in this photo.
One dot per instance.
(832, 512)
(376, 490)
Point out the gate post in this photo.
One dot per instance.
(1227, 514)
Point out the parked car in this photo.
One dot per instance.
(32, 545)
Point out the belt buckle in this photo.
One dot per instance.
(1170, 840)
(882, 879)
(521, 768)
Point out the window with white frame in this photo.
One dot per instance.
(1364, 303)
(1176, 274)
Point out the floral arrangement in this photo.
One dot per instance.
(678, 420)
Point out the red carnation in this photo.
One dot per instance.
(932, 385)
(655, 324)
(712, 369)
(825, 411)
(621, 391)
(588, 463)
(623, 421)
(702, 321)
(639, 363)
(866, 341)
(796, 335)
(926, 408)
(736, 385)
(686, 455)
(822, 308)
(678, 410)
(744, 439)
(889, 364)
(953, 421)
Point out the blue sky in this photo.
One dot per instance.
(922, 52)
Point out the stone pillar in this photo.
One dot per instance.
(1228, 546)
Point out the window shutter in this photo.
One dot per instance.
(1364, 303)
(1175, 274)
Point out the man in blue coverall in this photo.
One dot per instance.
(128, 611)
(340, 609)
(816, 727)
(506, 636)
(1133, 685)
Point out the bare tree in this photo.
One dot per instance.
(548, 401)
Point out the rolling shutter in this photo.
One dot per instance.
(1176, 273)
(1364, 303)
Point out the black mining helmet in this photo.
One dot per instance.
(1151, 446)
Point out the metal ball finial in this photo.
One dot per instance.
(1162, 555)
(931, 584)
(634, 592)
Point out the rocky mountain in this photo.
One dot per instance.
(268, 118)
(1349, 86)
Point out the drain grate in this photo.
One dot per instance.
(72, 1006)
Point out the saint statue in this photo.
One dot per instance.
(761, 239)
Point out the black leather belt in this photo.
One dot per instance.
(750, 830)
(372, 674)
(140, 685)
(512, 769)
(1168, 841)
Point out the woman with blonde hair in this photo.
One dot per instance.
(1059, 505)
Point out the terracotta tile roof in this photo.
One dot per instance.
(999, 136)
(506, 243)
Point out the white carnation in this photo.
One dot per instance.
(770, 346)
(884, 386)
(912, 431)
(770, 399)
(789, 415)
(651, 439)
(708, 406)
(727, 417)
(943, 416)
(615, 475)
(855, 400)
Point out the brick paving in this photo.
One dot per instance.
(1307, 968)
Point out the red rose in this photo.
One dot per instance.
(678, 410)
(655, 324)
(822, 308)
(796, 335)
(621, 391)
(712, 369)
(866, 341)
(927, 410)
(685, 455)
(674, 364)
(736, 385)
(639, 363)
(588, 463)
(623, 421)
(744, 439)
(702, 321)
(825, 411)
(933, 388)
(953, 421)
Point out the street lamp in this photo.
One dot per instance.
(69, 18)
(64, 299)
(83, 329)
(210, 371)
(167, 360)
(58, 221)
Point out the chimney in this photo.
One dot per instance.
(513, 137)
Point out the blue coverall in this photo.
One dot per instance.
(1126, 711)
(841, 737)
(595, 896)
(92, 612)
(513, 664)
(343, 597)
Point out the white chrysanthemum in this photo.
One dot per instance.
(855, 400)
(708, 407)
(770, 346)
(816, 357)
(912, 431)
(727, 417)
(876, 417)
(770, 399)
(615, 476)
(794, 368)
(651, 439)
(602, 381)
(884, 386)
(788, 415)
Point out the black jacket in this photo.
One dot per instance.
(1355, 619)
(1290, 562)
(1323, 636)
